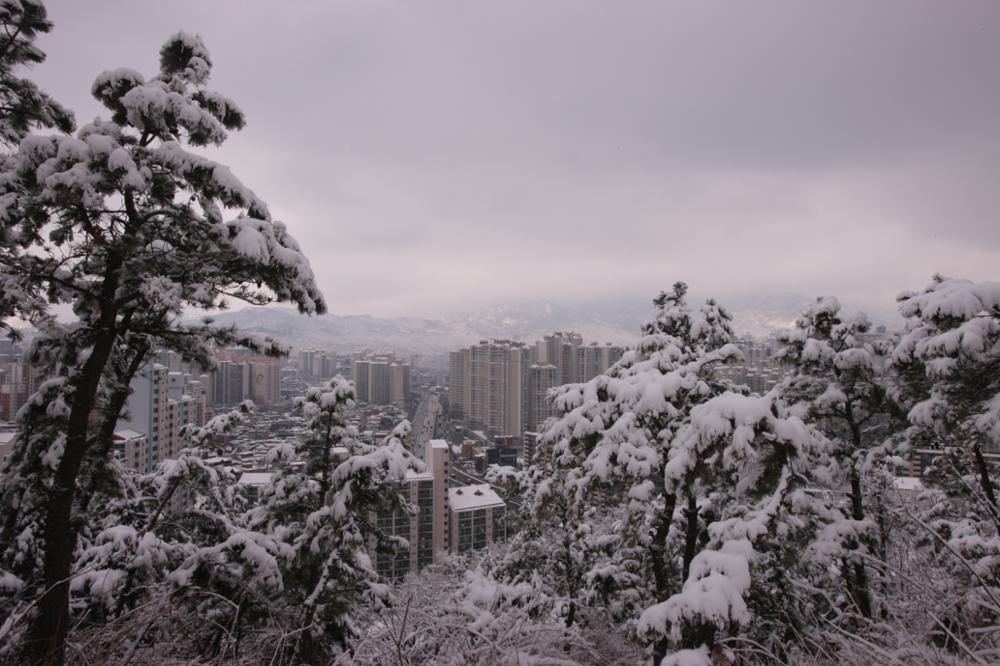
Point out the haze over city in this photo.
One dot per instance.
(572, 151)
(555, 333)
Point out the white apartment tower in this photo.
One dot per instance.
(426, 531)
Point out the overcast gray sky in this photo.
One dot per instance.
(435, 156)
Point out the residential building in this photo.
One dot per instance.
(380, 378)
(426, 531)
(317, 364)
(502, 386)
(131, 447)
(477, 517)
(360, 370)
(160, 404)
(541, 378)
(265, 381)
(559, 349)
(529, 447)
(231, 384)
(459, 387)
(759, 369)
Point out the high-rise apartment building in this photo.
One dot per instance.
(360, 371)
(19, 380)
(378, 382)
(380, 378)
(595, 359)
(131, 447)
(496, 386)
(161, 403)
(459, 368)
(759, 369)
(529, 447)
(501, 386)
(231, 383)
(559, 349)
(426, 531)
(316, 364)
(541, 378)
(240, 374)
(399, 383)
(265, 381)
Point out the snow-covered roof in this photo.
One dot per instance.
(419, 476)
(6, 437)
(438, 444)
(127, 433)
(908, 483)
(255, 478)
(467, 498)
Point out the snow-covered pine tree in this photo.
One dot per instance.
(753, 463)
(614, 433)
(130, 227)
(948, 362)
(22, 105)
(708, 476)
(323, 514)
(837, 383)
(556, 557)
(157, 520)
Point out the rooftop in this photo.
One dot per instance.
(255, 478)
(478, 496)
(908, 483)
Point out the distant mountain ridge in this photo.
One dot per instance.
(616, 322)
(416, 334)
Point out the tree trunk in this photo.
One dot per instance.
(571, 576)
(858, 584)
(984, 476)
(47, 635)
(660, 651)
(691, 538)
(659, 556)
(859, 589)
(658, 548)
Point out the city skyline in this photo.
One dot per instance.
(450, 145)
